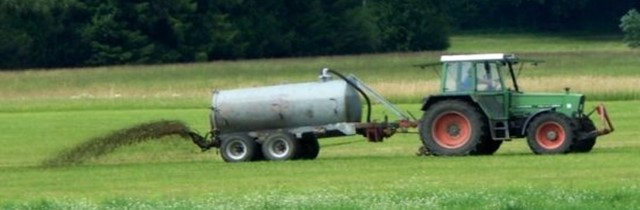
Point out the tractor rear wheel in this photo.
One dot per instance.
(280, 146)
(550, 133)
(451, 127)
(237, 148)
(585, 145)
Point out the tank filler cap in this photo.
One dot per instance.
(324, 75)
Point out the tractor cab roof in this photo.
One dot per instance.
(505, 58)
(479, 57)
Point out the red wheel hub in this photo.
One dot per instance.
(451, 130)
(550, 135)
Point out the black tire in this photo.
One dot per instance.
(550, 133)
(309, 147)
(585, 145)
(488, 146)
(238, 148)
(280, 146)
(452, 127)
(258, 156)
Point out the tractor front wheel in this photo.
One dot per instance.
(550, 133)
(451, 127)
(585, 145)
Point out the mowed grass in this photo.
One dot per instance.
(543, 43)
(350, 172)
(601, 61)
(44, 112)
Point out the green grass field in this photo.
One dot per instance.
(43, 112)
(599, 61)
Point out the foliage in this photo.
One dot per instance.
(537, 15)
(38, 33)
(301, 28)
(92, 32)
(630, 25)
(69, 33)
(412, 25)
(122, 31)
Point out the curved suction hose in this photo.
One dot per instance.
(325, 76)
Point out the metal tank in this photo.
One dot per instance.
(285, 106)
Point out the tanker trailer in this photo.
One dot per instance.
(284, 122)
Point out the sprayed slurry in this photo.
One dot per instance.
(103, 145)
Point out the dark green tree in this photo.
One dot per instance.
(262, 32)
(56, 33)
(15, 42)
(412, 25)
(36, 33)
(324, 27)
(630, 25)
(209, 33)
(537, 15)
(135, 31)
(303, 28)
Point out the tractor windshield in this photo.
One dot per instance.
(488, 76)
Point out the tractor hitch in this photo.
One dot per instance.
(377, 132)
(607, 127)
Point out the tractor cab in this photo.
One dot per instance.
(476, 73)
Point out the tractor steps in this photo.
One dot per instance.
(499, 129)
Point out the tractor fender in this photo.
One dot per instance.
(431, 100)
(534, 115)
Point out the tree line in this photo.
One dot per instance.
(68, 33)
(600, 16)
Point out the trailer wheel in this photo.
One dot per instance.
(309, 147)
(550, 133)
(585, 145)
(451, 127)
(280, 146)
(237, 148)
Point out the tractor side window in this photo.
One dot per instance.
(459, 77)
(488, 77)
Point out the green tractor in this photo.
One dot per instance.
(480, 105)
